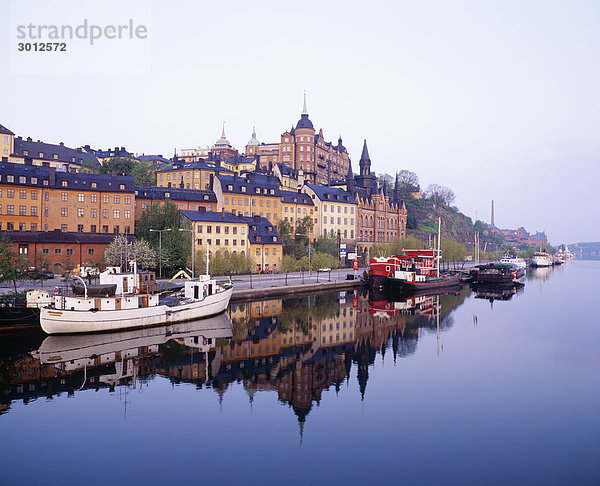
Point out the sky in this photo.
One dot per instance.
(494, 99)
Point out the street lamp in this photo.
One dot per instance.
(193, 247)
(305, 234)
(160, 232)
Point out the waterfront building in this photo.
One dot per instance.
(219, 230)
(264, 244)
(188, 199)
(34, 198)
(335, 211)
(58, 251)
(296, 206)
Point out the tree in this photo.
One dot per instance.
(120, 252)
(12, 265)
(286, 230)
(327, 244)
(176, 245)
(439, 194)
(144, 173)
(386, 180)
(408, 178)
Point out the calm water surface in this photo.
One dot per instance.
(471, 387)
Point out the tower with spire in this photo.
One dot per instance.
(366, 180)
(222, 148)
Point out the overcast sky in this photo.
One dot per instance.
(495, 99)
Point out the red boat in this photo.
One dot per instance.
(414, 270)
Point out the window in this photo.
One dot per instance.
(81, 197)
(10, 193)
(63, 228)
(105, 198)
(208, 228)
(34, 195)
(57, 251)
(22, 194)
(45, 212)
(10, 178)
(34, 210)
(122, 187)
(90, 251)
(218, 242)
(127, 199)
(64, 196)
(116, 214)
(116, 228)
(93, 228)
(94, 185)
(22, 210)
(64, 212)
(45, 251)
(127, 214)
(234, 230)
(22, 227)
(104, 228)
(46, 196)
(117, 199)
(33, 226)
(127, 230)
(65, 184)
(93, 213)
(80, 212)
(69, 251)
(10, 226)
(144, 204)
(105, 213)
(199, 228)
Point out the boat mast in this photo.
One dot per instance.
(438, 242)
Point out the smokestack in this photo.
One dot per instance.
(493, 213)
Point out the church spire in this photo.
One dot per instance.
(223, 134)
(304, 110)
(365, 161)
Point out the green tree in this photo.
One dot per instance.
(12, 265)
(144, 173)
(176, 245)
(327, 244)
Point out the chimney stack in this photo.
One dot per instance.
(52, 176)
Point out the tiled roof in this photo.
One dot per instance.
(252, 181)
(197, 165)
(211, 216)
(293, 197)
(51, 152)
(333, 194)
(5, 131)
(304, 122)
(58, 236)
(261, 231)
(77, 181)
(175, 193)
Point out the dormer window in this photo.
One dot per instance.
(41, 154)
(167, 194)
(94, 185)
(10, 178)
(22, 179)
(206, 197)
(55, 156)
(65, 183)
(25, 152)
(230, 187)
(243, 188)
(272, 191)
(274, 238)
(257, 190)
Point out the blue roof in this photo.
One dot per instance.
(334, 194)
(286, 169)
(296, 197)
(154, 158)
(211, 216)
(304, 122)
(116, 152)
(175, 193)
(78, 181)
(5, 131)
(261, 231)
(240, 160)
(251, 181)
(201, 164)
(63, 154)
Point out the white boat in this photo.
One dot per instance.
(134, 305)
(513, 260)
(541, 259)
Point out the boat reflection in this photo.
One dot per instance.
(494, 292)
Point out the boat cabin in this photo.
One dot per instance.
(139, 282)
(201, 288)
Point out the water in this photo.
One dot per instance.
(492, 392)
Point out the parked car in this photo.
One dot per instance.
(324, 269)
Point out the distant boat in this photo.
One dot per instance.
(497, 273)
(513, 260)
(541, 259)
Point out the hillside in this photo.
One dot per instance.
(589, 249)
(423, 222)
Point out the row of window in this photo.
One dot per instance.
(34, 181)
(209, 228)
(225, 242)
(10, 226)
(116, 214)
(10, 210)
(339, 209)
(339, 220)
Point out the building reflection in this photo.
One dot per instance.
(296, 348)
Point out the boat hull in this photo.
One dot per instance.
(401, 285)
(64, 321)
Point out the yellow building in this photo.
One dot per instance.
(288, 177)
(295, 206)
(36, 198)
(335, 211)
(193, 175)
(239, 164)
(254, 194)
(7, 139)
(264, 244)
(218, 230)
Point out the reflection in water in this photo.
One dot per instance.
(295, 347)
(494, 292)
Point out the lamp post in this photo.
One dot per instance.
(160, 232)
(307, 235)
(193, 247)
